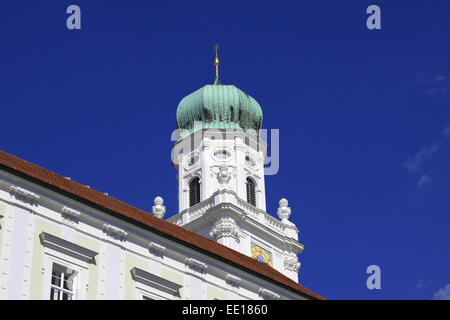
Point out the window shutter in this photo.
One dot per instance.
(251, 194)
(194, 192)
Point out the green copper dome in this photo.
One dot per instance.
(219, 106)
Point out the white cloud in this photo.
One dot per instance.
(423, 284)
(439, 84)
(443, 293)
(423, 179)
(414, 164)
(439, 78)
(446, 132)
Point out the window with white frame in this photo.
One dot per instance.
(63, 283)
(66, 268)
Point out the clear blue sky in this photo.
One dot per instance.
(362, 116)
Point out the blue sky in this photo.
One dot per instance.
(364, 117)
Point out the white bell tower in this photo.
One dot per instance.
(221, 191)
(221, 160)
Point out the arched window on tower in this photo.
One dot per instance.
(194, 191)
(251, 193)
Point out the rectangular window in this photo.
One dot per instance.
(63, 283)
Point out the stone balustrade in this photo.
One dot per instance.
(250, 211)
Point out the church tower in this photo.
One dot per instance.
(220, 160)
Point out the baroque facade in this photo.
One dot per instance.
(62, 240)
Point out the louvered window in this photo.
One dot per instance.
(194, 192)
(251, 195)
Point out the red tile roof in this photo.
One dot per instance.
(143, 219)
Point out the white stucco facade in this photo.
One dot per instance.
(106, 257)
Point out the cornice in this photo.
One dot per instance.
(238, 214)
(70, 212)
(23, 194)
(114, 231)
(195, 265)
(267, 294)
(233, 280)
(156, 249)
(225, 227)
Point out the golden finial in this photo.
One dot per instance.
(216, 61)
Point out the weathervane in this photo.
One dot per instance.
(216, 61)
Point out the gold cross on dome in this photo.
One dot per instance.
(216, 60)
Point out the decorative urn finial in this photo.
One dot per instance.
(284, 212)
(159, 209)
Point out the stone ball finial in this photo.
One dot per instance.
(159, 209)
(284, 212)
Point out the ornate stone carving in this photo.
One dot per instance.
(195, 265)
(69, 215)
(225, 227)
(224, 175)
(24, 195)
(115, 231)
(159, 209)
(70, 212)
(233, 281)
(291, 263)
(179, 221)
(284, 212)
(156, 249)
(191, 161)
(267, 294)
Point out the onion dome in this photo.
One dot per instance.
(218, 106)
